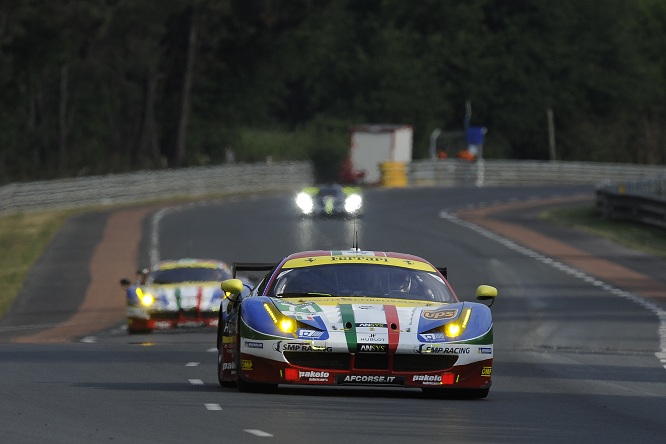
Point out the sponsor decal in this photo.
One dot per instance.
(433, 337)
(253, 344)
(371, 324)
(246, 365)
(372, 348)
(311, 334)
(314, 376)
(162, 324)
(435, 315)
(427, 378)
(229, 366)
(369, 379)
(436, 349)
(372, 337)
(300, 347)
(486, 371)
(359, 258)
(485, 350)
(303, 317)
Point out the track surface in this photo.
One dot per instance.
(577, 348)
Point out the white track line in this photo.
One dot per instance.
(654, 308)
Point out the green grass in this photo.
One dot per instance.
(641, 237)
(23, 238)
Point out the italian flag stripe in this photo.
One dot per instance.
(347, 314)
(393, 335)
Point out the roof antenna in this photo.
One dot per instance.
(355, 241)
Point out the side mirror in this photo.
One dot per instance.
(485, 293)
(232, 288)
(124, 282)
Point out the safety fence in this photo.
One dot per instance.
(641, 201)
(635, 198)
(146, 186)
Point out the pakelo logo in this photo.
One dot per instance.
(229, 366)
(372, 348)
(439, 314)
(427, 378)
(246, 364)
(314, 376)
(486, 371)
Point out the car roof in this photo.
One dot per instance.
(189, 263)
(326, 257)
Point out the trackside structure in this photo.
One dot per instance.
(372, 145)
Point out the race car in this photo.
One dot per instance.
(354, 317)
(330, 200)
(175, 293)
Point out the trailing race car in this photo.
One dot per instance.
(355, 318)
(330, 200)
(176, 293)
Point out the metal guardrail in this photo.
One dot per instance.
(636, 200)
(154, 185)
(641, 201)
(494, 172)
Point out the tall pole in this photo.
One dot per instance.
(551, 133)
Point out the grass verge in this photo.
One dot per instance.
(23, 238)
(641, 237)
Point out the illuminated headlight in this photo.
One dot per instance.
(457, 327)
(353, 203)
(284, 324)
(304, 202)
(146, 299)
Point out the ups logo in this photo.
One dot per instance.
(439, 314)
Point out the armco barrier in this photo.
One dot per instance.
(152, 185)
(641, 201)
(635, 200)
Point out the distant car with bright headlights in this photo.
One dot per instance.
(344, 318)
(330, 200)
(175, 293)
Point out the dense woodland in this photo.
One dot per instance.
(105, 86)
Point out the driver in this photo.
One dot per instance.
(400, 281)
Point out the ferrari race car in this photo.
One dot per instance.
(330, 200)
(175, 293)
(355, 317)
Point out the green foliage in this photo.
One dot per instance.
(105, 86)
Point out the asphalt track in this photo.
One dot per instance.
(577, 329)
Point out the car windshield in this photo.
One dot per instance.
(361, 280)
(187, 274)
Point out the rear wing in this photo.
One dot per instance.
(251, 266)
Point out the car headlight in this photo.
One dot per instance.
(146, 299)
(353, 203)
(304, 202)
(284, 323)
(457, 327)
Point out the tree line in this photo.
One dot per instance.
(106, 86)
